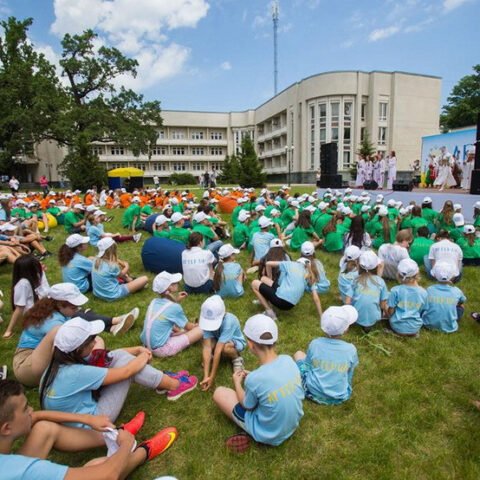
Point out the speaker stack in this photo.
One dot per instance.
(475, 183)
(329, 166)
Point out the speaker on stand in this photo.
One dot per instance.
(329, 166)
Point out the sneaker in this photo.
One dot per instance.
(135, 312)
(271, 314)
(186, 385)
(135, 424)
(181, 373)
(160, 442)
(252, 269)
(238, 443)
(137, 237)
(3, 372)
(125, 324)
(238, 364)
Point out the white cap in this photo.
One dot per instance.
(79, 206)
(443, 271)
(407, 268)
(52, 193)
(200, 217)
(458, 220)
(91, 208)
(379, 198)
(457, 207)
(322, 205)
(304, 261)
(176, 217)
(476, 205)
(264, 222)
(365, 208)
(276, 242)
(336, 320)
(404, 211)
(52, 201)
(391, 203)
(307, 248)
(347, 211)
(73, 333)
(294, 203)
(259, 325)
(75, 240)
(136, 200)
(227, 250)
(98, 213)
(274, 212)
(33, 205)
(427, 200)
(243, 215)
(348, 190)
(369, 260)
(212, 313)
(103, 245)
(259, 208)
(468, 229)
(7, 227)
(382, 211)
(163, 280)
(161, 219)
(174, 201)
(310, 208)
(67, 292)
(352, 252)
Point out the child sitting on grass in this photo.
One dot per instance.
(348, 270)
(229, 276)
(407, 301)
(445, 301)
(269, 406)
(327, 368)
(166, 330)
(260, 241)
(96, 231)
(241, 231)
(222, 337)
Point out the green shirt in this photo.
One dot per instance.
(241, 234)
(418, 222)
(429, 215)
(206, 232)
(130, 213)
(235, 214)
(299, 236)
(334, 240)
(288, 215)
(161, 233)
(321, 222)
(378, 234)
(146, 210)
(179, 234)
(456, 234)
(55, 211)
(178, 208)
(419, 248)
(469, 251)
(70, 219)
(18, 212)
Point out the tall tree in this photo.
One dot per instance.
(366, 146)
(230, 170)
(251, 172)
(463, 103)
(98, 111)
(30, 95)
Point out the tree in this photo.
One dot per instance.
(30, 95)
(99, 112)
(251, 173)
(463, 103)
(230, 170)
(366, 146)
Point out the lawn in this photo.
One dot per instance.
(409, 416)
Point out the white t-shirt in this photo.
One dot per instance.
(447, 251)
(196, 266)
(391, 255)
(23, 293)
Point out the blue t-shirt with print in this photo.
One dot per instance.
(105, 282)
(409, 303)
(273, 399)
(78, 271)
(345, 282)
(20, 467)
(366, 299)
(72, 388)
(261, 244)
(95, 233)
(330, 364)
(230, 285)
(441, 312)
(229, 331)
(323, 284)
(163, 324)
(33, 335)
(291, 282)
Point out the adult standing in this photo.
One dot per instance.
(44, 184)
(368, 169)
(445, 177)
(377, 171)
(206, 179)
(156, 181)
(360, 172)
(14, 184)
(467, 169)
(391, 169)
(213, 178)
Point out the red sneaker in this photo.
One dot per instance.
(159, 442)
(135, 424)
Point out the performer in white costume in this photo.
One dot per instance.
(368, 170)
(445, 177)
(360, 172)
(376, 171)
(467, 169)
(391, 169)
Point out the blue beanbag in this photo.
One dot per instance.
(159, 254)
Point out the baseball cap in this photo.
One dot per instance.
(264, 222)
(458, 220)
(407, 268)
(176, 217)
(261, 326)
(260, 208)
(200, 217)
(369, 260)
(227, 250)
(75, 240)
(307, 248)
(73, 333)
(443, 271)
(382, 211)
(52, 201)
(322, 205)
(336, 320)
(427, 200)
(161, 219)
(391, 203)
(294, 203)
(212, 312)
(276, 242)
(103, 245)
(365, 208)
(457, 206)
(476, 205)
(67, 292)
(243, 215)
(379, 198)
(79, 206)
(352, 252)
(91, 208)
(163, 280)
(274, 212)
(136, 200)
(98, 213)
(7, 227)
(468, 229)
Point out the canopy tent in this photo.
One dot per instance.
(127, 177)
(125, 172)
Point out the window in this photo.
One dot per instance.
(198, 166)
(346, 136)
(322, 109)
(363, 114)
(178, 150)
(334, 134)
(215, 135)
(382, 111)
(161, 134)
(362, 133)
(216, 151)
(347, 111)
(179, 167)
(110, 166)
(157, 150)
(312, 137)
(382, 135)
(98, 150)
(198, 151)
(216, 166)
(117, 150)
(178, 134)
(159, 166)
(335, 111)
(197, 135)
(140, 166)
(346, 159)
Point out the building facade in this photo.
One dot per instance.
(396, 109)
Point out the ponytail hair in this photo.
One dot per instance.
(218, 277)
(194, 240)
(313, 269)
(66, 254)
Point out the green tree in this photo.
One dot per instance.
(230, 170)
(463, 103)
(30, 95)
(366, 146)
(251, 173)
(98, 111)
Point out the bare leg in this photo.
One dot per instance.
(137, 284)
(194, 335)
(229, 351)
(38, 246)
(168, 383)
(226, 399)
(299, 356)
(42, 355)
(256, 290)
(317, 302)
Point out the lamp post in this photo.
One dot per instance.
(289, 154)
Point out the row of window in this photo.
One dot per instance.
(169, 166)
(161, 150)
(194, 135)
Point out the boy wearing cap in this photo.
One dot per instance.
(160, 227)
(470, 245)
(241, 231)
(74, 221)
(204, 227)
(177, 230)
(222, 337)
(269, 405)
(132, 216)
(327, 367)
(445, 301)
(260, 241)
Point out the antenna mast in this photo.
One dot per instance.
(275, 10)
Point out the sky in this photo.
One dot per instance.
(217, 55)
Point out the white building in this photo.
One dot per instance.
(396, 108)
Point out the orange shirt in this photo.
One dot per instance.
(109, 202)
(125, 200)
(88, 199)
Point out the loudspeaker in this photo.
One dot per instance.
(403, 186)
(332, 181)
(329, 159)
(370, 185)
(475, 184)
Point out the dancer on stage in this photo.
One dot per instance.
(445, 177)
(467, 169)
(392, 169)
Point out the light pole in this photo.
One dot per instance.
(289, 155)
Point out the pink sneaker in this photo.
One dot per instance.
(186, 385)
(176, 376)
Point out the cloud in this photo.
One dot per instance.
(347, 44)
(226, 66)
(449, 5)
(4, 8)
(382, 33)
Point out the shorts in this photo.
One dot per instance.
(174, 345)
(304, 368)
(270, 294)
(238, 414)
(22, 368)
(207, 287)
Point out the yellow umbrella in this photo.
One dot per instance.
(125, 172)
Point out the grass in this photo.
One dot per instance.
(409, 416)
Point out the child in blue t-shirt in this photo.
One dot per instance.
(327, 367)
(222, 337)
(269, 405)
(96, 231)
(76, 268)
(368, 293)
(166, 330)
(260, 241)
(348, 270)
(229, 276)
(445, 301)
(407, 301)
